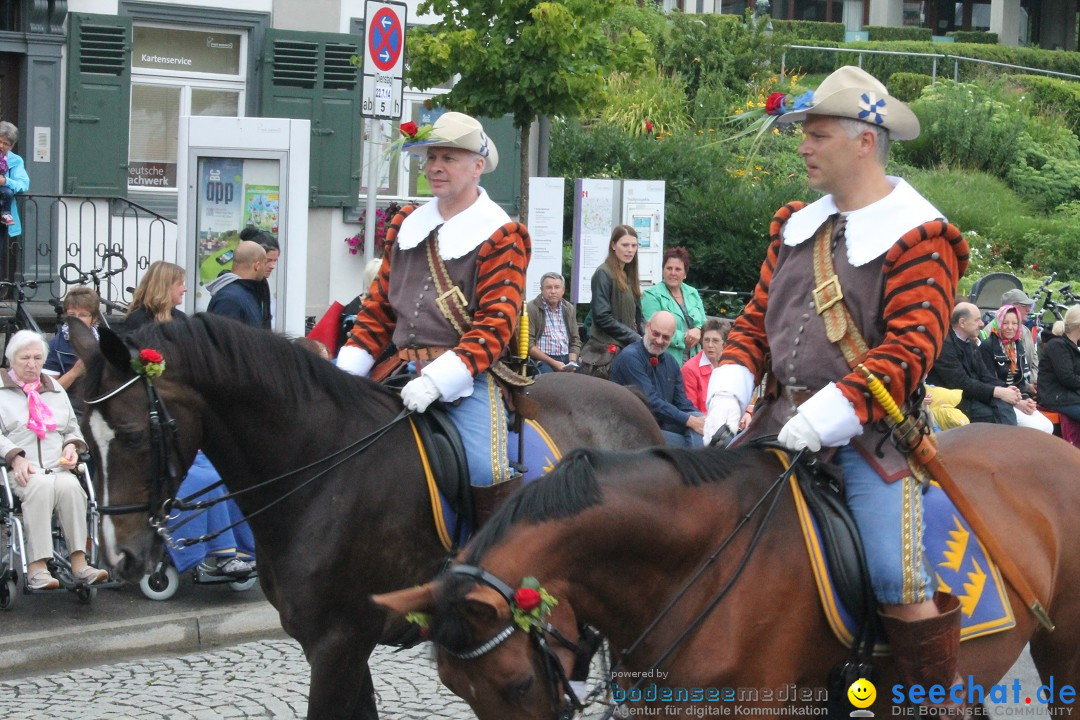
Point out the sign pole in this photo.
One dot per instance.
(374, 148)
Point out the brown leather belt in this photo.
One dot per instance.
(422, 355)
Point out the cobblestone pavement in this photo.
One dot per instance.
(265, 679)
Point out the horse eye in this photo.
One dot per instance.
(519, 690)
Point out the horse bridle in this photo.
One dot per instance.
(565, 702)
(165, 448)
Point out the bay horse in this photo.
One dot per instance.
(259, 407)
(613, 536)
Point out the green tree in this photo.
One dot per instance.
(522, 57)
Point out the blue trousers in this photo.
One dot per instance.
(235, 541)
(481, 420)
(890, 521)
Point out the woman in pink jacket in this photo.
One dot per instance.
(697, 369)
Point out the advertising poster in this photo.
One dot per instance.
(262, 207)
(219, 212)
(643, 210)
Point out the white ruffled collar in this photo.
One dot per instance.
(870, 230)
(460, 234)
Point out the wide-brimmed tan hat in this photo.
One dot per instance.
(458, 130)
(851, 92)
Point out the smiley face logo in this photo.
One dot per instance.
(862, 693)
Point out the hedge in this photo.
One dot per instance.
(882, 33)
(978, 37)
(1049, 94)
(813, 62)
(907, 86)
(810, 30)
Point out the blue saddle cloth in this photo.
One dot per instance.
(960, 565)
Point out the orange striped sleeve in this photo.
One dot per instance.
(747, 343)
(922, 271)
(375, 321)
(500, 291)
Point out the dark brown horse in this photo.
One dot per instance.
(613, 536)
(259, 407)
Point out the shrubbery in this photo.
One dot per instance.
(907, 86)
(979, 37)
(809, 30)
(878, 32)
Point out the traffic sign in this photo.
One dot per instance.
(384, 59)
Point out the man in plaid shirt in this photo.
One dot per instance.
(554, 341)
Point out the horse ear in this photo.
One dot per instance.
(83, 340)
(403, 602)
(115, 350)
(486, 602)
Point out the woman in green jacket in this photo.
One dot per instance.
(680, 300)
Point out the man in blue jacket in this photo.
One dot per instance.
(646, 366)
(243, 294)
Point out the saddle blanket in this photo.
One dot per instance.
(960, 565)
(540, 456)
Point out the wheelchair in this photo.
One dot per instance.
(162, 582)
(13, 546)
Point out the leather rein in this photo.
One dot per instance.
(167, 471)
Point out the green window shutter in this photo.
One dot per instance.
(504, 184)
(308, 76)
(98, 105)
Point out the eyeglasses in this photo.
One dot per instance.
(81, 315)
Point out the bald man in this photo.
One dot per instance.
(646, 366)
(243, 293)
(985, 397)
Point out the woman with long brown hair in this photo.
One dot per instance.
(161, 289)
(616, 303)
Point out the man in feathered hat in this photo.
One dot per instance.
(448, 295)
(865, 275)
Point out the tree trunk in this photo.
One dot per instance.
(523, 208)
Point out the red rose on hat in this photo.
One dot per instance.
(409, 129)
(150, 356)
(527, 599)
(774, 103)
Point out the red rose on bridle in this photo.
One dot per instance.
(653, 360)
(149, 355)
(527, 599)
(774, 103)
(409, 129)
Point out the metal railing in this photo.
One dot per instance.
(956, 59)
(59, 229)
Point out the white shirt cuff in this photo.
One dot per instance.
(450, 375)
(355, 360)
(831, 416)
(735, 380)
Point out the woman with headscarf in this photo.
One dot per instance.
(41, 442)
(1004, 355)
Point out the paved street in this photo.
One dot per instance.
(263, 679)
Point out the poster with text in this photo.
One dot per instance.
(546, 230)
(595, 214)
(262, 207)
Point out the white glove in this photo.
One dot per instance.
(724, 409)
(418, 393)
(355, 360)
(798, 434)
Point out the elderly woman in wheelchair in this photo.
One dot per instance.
(40, 442)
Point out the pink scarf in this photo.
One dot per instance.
(41, 417)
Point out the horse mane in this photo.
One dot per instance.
(227, 351)
(573, 486)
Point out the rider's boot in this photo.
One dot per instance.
(487, 498)
(925, 651)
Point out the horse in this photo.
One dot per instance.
(613, 537)
(339, 526)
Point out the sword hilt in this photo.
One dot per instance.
(881, 394)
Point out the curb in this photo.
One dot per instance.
(95, 644)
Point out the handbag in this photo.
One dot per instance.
(596, 357)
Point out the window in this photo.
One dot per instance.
(178, 72)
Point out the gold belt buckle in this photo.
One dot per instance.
(830, 286)
(454, 292)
